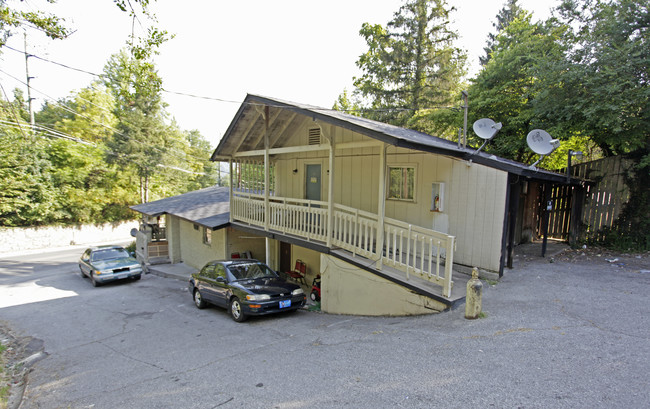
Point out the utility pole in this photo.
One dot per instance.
(29, 88)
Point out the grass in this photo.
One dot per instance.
(4, 379)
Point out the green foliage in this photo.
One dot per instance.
(509, 85)
(411, 64)
(11, 20)
(631, 231)
(601, 88)
(507, 14)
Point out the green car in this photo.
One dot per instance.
(108, 263)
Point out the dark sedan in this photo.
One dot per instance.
(244, 287)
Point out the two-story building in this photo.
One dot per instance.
(384, 214)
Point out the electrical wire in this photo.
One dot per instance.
(209, 98)
(115, 131)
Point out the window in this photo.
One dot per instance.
(207, 236)
(209, 271)
(401, 183)
(221, 271)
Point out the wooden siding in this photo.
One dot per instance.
(474, 196)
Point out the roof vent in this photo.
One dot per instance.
(314, 136)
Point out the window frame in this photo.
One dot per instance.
(207, 236)
(402, 166)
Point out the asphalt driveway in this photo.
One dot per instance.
(571, 333)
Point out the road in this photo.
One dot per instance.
(568, 334)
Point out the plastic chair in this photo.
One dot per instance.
(299, 272)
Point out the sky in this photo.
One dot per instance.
(296, 50)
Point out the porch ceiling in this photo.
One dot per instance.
(246, 132)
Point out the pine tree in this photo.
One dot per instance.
(411, 64)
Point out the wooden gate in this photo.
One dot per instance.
(600, 201)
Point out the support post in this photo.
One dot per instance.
(330, 193)
(381, 207)
(547, 209)
(266, 171)
(230, 188)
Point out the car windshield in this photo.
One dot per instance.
(250, 271)
(108, 254)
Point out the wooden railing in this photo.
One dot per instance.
(408, 248)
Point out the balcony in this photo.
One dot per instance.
(410, 249)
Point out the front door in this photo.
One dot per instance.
(313, 182)
(285, 257)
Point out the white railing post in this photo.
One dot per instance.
(408, 252)
(449, 263)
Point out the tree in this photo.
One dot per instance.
(411, 65)
(507, 14)
(11, 19)
(509, 85)
(139, 140)
(88, 115)
(601, 89)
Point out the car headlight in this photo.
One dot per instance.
(258, 297)
(297, 291)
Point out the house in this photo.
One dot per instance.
(385, 215)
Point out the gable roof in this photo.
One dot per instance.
(246, 128)
(209, 207)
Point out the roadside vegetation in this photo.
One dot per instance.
(4, 379)
(88, 157)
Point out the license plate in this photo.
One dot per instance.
(120, 276)
(285, 303)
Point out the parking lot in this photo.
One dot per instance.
(572, 333)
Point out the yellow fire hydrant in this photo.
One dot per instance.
(474, 296)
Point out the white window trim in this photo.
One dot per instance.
(414, 166)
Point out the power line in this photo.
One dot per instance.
(115, 131)
(209, 98)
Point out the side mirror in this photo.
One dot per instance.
(221, 279)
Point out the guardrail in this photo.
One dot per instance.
(408, 248)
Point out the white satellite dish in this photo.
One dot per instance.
(486, 129)
(541, 142)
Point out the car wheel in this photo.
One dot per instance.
(92, 279)
(136, 278)
(198, 300)
(81, 272)
(236, 311)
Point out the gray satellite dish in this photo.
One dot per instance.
(486, 129)
(541, 142)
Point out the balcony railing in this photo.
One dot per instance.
(407, 248)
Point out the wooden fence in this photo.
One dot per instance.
(602, 199)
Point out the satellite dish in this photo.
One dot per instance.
(486, 128)
(541, 142)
